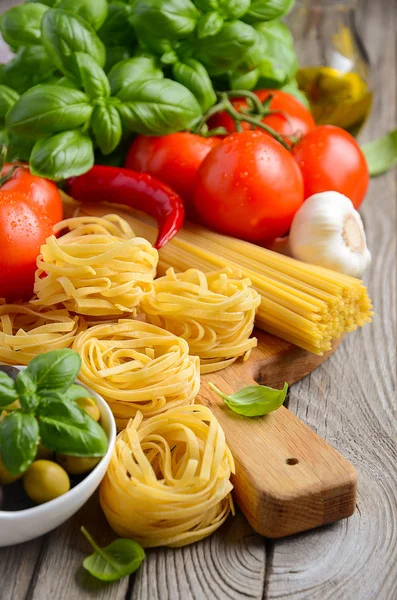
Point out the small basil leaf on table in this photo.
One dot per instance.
(21, 25)
(194, 76)
(133, 70)
(381, 154)
(117, 30)
(209, 24)
(27, 391)
(227, 48)
(67, 429)
(168, 18)
(75, 391)
(8, 97)
(254, 400)
(92, 11)
(47, 109)
(64, 33)
(29, 67)
(157, 107)
(106, 127)
(267, 10)
(92, 77)
(55, 370)
(19, 437)
(121, 558)
(8, 392)
(63, 155)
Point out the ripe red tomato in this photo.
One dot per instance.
(296, 119)
(249, 187)
(29, 207)
(173, 158)
(331, 160)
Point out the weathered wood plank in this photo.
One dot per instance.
(351, 399)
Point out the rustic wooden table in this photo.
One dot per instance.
(350, 401)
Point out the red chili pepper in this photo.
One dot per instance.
(136, 190)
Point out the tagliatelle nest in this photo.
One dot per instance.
(98, 267)
(137, 366)
(214, 312)
(168, 481)
(26, 332)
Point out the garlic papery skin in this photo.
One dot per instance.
(327, 231)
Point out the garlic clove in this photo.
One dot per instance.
(328, 231)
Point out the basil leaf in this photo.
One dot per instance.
(114, 55)
(166, 18)
(233, 9)
(66, 82)
(18, 147)
(292, 88)
(8, 97)
(280, 63)
(131, 71)
(227, 48)
(92, 76)
(19, 437)
(209, 24)
(92, 11)
(8, 393)
(255, 54)
(30, 66)
(63, 34)
(75, 391)
(207, 5)
(47, 109)
(26, 389)
(157, 107)
(267, 10)
(381, 154)
(66, 428)
(63, 155)
(244, 81)
(106, 127)
(20, 26)
(55, 370)
(121, 558)
(194, 76)
(254, 400)
(117, 29)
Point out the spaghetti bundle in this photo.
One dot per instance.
(26, 332)
(168, 481)
(137, 366)
(214, 312)
(307, 305)
(98, 267)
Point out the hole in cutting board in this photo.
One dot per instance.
(291, 461)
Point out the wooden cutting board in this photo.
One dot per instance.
(287, 479)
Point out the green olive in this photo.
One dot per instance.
(77, 465)
(45, 480)
(90, 407)
(43, 453)
(5, 476)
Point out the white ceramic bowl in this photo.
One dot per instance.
(23, 525)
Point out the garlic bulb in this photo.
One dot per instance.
(328, 231)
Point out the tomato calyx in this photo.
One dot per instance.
(253, 114)
(10, 173)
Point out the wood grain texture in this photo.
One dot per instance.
(350, 401)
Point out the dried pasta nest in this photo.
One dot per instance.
(137, 366)
(214, 312)
(96, 267)
(26, 332)
(168, 482)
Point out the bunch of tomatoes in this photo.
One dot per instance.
(247, 184)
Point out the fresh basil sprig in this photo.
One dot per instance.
(48, 414)
(121, 558)
(254, 400)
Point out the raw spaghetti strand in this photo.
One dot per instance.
(214, 312)
(168, 482)
(26, 332)
(136, 366)
(98, 267)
